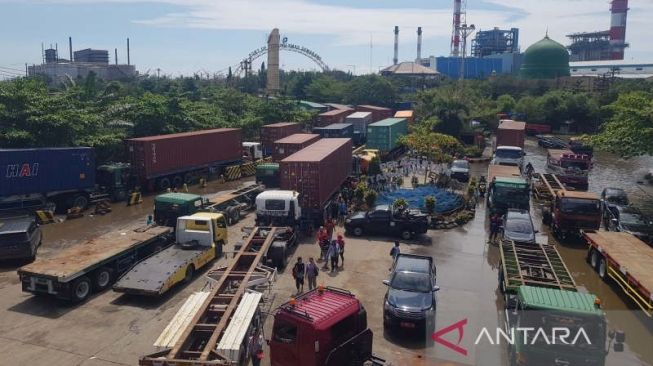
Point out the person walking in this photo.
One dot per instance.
(394, 252)
(322, 241)
(332, 254)
(311, 273)
(341, 249)
(330, 225)
(298, 273)
(256, 348)
(342, 213)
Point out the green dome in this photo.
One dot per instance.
(546, 59)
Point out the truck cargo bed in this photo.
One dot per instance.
(74, 261)
(153, 275)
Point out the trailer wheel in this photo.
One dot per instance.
(546, 217)
(177, 181)
(81, 289)
(603, 269)
(102, 279)
(594, 259)
(283, 261)
(235, 214)
(358, 231)
(164, 184)
(80, 201)
(406, 234)
(190, 271)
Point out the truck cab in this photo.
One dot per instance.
(169, 206)
(323, 327)
(252, 151)
(509, 155)
(508, 192)
(572, 169)
(114, 179)
(568, 318)
(205, 229)
(278, 208)
(573, 211)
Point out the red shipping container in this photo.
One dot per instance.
(378, 113)
(510, 133)
(273, 132)
(317, 171)
(536, 129)
(291, 144)
(157, 156)
(331, 117)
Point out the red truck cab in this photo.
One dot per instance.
(573, 211)
(572, 169)
(325, 326)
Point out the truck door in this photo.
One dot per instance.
(284, 345)
(379, 222)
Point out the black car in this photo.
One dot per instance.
(518, 226)
(631, 220)
(19, 238)
(385, 220)
(460, 170)
(551, 142)
(411, 298)
(614, 196)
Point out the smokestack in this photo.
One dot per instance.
(619, 10)
(56, 52)
(128, 61)
(70, 47)
(419, 44)
(455, 37)
(116, 53)
(396, 58)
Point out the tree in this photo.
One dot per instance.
(371, 89)
(447, 105)
(506, 103)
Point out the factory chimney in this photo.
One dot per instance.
(455, 36)
(419, 44)
(396, 58)
(70, 48)
(116, 53)
(128, 60)
(619, 10)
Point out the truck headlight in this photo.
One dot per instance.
(388, 307)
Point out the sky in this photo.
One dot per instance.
(184, 37)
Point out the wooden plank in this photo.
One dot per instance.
(630, 253)
(75, 259)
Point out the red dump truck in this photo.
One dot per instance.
(510, 133)
(291, 144)
(164, 161)
(273, 132)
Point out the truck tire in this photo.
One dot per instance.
(177, 181)
(189, 178)
(80, 201)
(603, 269)
(190, 272)
(164, 184)
(102, 279)
(406, 234)
(594, 259)
(546, 217)
(236, 214)
(283, 261)
(81, 289)
(357, 231)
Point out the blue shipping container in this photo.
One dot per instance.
(29, 171)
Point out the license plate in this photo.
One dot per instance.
(407, 325)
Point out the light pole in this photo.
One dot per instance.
(465, 32)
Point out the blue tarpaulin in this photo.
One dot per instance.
(445, 201)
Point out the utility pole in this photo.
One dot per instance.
(158, 73)
(465, 31)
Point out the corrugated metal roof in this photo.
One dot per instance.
(279, 125)
(325, 308)
(359, 115)
(317, 151)
(297, 138)
(409, 68)
(334, 126)
(312, 104)
(182, 134)
(339, 106)
(554, 299)
(387, 122)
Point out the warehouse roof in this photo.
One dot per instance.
(409, 68)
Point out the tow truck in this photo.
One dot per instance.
(199, 240)
(540, 292)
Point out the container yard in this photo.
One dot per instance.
(383, 135)
(359, 120)
(336, 130)
(289, 145)
(276, 131)
(378, 113)
(332, 116)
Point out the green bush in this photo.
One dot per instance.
(429, 203)
(472, 152)
(370, 198)
(400, 203)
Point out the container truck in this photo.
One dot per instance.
(276, 131)
(571, 212)
(360, 120)
(507, 189)
(336, 130)
(267, 174)
(331, 117)
(378, 113)
(540, 292)
(291, 144)
(571, 169)
(74, 273)
(510, 133)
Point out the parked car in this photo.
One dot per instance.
(551, 142)
(518, 226)
(385, 220)
(410, 301)
(631, 220)
(20, 238)
(614, 196)
(460, 170)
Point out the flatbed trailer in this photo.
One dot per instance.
(233, 203)
(538, 265)
(74, 273)
(545, 186)
(626, 260)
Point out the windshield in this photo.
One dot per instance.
(461, 164)
(275, 205)
(508, 154)
(618, 198)
(511, 194)
(519, 226)
(578, 206)
(578, 327)
(634, 221)
(582, 165)
(411, 281)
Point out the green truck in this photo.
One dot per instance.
(541, 299)
(507, 189)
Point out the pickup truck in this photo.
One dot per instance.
(384, 220)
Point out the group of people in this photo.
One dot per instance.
(332, 251)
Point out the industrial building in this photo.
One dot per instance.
(602, 45)
(612, 68)
(495, 41)
(81, 64)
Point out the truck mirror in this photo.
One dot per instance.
(621, 336)
(436, 288)
(386, 282)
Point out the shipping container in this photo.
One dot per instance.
(407, 114)
(317, 171)
(47, 170)
(378, 113)
(336, 130)
(291, 144)
(360, 120)
(333, 106)
(385, 134)
(276, 131)
(180, 153)
(331, 117)
(510, 133)
(537, 129)
(268, 175)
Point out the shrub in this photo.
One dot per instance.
(472, 152)
(429, 203)
(400, 203)
(370, 198)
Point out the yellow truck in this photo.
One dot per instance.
(200, 238)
